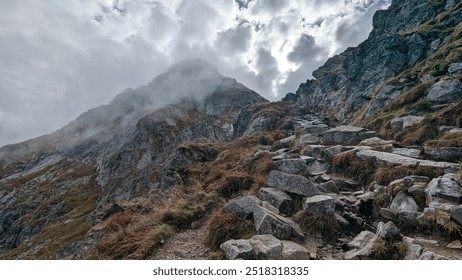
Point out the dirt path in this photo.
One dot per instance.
(186, 245)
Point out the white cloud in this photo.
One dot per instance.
(60, 58)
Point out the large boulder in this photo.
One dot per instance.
(278, 199)
(388, 231)
(394, 159)
(403, 203)
(443, 153)
(456, 214)
(454, 68)
(445, 91)
(238, 249)
(309, 138)
(347, 135)
(361, 240)
(406, 121)
(291, 166)
(266, 247)
(243, 206)
(319, 204)
(267, 222)
(294, 251)
(444, 188)
(292, 183)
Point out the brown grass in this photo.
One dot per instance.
(348, 164)
(386, 174)
(223, 226)
(325, 225)
(388, 250)
(58, 230)
(441, 222)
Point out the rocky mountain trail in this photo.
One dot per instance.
(305, 186)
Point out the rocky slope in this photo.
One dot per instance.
(121, 151)
(419, 35)
(281, 180)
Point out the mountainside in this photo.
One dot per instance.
(419, 35)
(361, 163)
(119, 151)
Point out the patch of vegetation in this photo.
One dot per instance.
(223, 226)
(70, 222)
(440, 222)
(347, 163)
(388, 250)
(386, 174)
(325, 225)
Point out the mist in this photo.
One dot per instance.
(61, 58)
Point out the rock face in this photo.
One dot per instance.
(130, 148)
(445, 91)
(267, 222)
(319, 204)
(292, 183)
(347, 135)
(243, 206)
(349, 80)
(278, 199)
(238, 249)
(444, 188)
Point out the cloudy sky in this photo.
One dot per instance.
(60, 58)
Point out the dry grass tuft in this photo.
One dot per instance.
(223, 226)
(441, 222)
(348, 164)
(386, 174)
(325, 225)
(388, 250)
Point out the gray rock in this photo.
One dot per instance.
(393, 159)
(293, 251)
(329, 187)
(278, 199)
(316, 151)
(291, 166)
(413, 153)
(403, 203)
(429, 255)
(347, 135)
(445, 91)
(334, 150)
(361, 240)
(317, 168)
(454, 68)
(287, 140)
(444, 188)
(319, 204)
(375, 141)
(267, 222)
(266, 247)
(410, 218)
(292, 183)
(388, 231)
(243, 206)
(238, 249)
(443, 153)
(414, 248)
(387, 214)
(309, 138)
(406, 121)
(456, 214)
